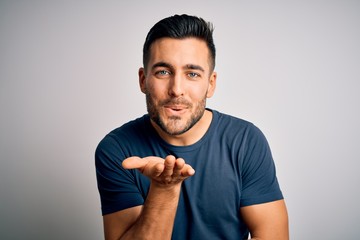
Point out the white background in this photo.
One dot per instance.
(68, 75)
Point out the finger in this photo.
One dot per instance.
(169, 165)
(157, 170)
(187, 171)
(139, 163)
(179, 164)
(134, 162)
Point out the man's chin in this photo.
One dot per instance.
(174, 130)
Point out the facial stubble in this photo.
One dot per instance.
(174, 124)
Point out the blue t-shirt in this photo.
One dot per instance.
(233, 164)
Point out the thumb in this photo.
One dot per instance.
(134, 162)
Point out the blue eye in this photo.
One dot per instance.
(193, 75)
(162, 73)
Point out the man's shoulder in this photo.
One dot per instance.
(226, 119)
(128, 132)
(131, 127)
(232, 125)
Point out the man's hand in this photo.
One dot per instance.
(163, 172)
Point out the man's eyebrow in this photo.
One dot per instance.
(194, 67)
(162, 64)
(168, 65)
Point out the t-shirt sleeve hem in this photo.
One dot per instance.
(116, 208)
(270, 197)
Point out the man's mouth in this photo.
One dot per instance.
(175, 109)
(176, 106)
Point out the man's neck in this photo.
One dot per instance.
(189, 137)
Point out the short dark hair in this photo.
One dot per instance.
(180, 27)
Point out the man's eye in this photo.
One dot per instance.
(193, 75)
(162, 73)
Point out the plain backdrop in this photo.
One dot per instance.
(68, 75)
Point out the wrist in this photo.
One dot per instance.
(167, 187)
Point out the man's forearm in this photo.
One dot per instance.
(157, 217)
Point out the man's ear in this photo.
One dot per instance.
(212, 85)
(142, 79)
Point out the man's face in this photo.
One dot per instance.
(177, 81)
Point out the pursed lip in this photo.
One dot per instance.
(175, 109)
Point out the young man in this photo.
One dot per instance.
(146, 168)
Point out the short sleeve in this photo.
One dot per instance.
(259, 179)
(117, 186)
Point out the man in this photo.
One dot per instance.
(146, 168)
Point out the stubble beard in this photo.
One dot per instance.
(174, 125)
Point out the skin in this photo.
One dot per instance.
(177, 82)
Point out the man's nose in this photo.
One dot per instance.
(176, 86)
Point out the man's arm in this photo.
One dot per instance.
(155, 219)
(115, 224)
(267, 221)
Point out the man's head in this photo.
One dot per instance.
(180, 27)
(178, 74)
